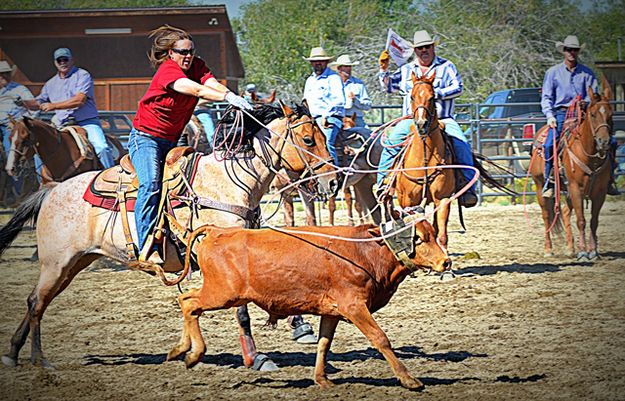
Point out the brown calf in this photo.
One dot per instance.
(292, 274)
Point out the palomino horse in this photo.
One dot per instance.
(586, 162)
(61, 155)
(71, 233)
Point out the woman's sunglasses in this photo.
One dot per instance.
(184, 52)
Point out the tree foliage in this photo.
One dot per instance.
(495, 44)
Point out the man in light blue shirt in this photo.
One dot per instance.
(324, 95)
(562, 84)
(69, 94)
(357, 99)
(447, 86)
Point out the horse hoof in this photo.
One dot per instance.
(43, 363)
(262, 363)
(593, 255)
(411, 383)
(190, 360)
(582, 255)
(307, 339)
(8, 361)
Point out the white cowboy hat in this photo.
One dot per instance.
(5, 67)
(343, 59)
(317, 54)
(422, 38)
(570, 41)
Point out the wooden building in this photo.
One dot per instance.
(614, 71)
(112, 44)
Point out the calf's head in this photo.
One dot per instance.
(428, 253)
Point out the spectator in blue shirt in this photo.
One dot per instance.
(324, 95)
(69, 94)
(447, 86)
(15, 101)
(562, 84)
(357, 99)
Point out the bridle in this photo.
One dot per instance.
(429, 113)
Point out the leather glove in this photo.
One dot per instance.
(384, 60)
(238, 101)
(551, 121)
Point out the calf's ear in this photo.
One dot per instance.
(375, 232)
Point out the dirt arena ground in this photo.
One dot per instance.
(512, 325)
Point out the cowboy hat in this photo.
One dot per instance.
(570, 41)
(5, 67)
(422, 38)
(343, 59)
(318, 54)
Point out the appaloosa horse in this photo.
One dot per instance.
(586, 163)
(71, 233)
(297, 272)
(59, 151)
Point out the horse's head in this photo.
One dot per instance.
(305, 152)
(423, 105)
(349, 122)
(599, 117)
(23, 143)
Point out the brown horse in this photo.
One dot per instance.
(427, 149)
(60, 153)
(586, 163)
(71, 233)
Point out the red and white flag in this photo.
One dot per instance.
(398, 48)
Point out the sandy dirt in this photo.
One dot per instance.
(511, 325)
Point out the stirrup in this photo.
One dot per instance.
(612, 189)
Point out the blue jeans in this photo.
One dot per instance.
(553, 135)
(400, 132)
(209, 127)
(147, 154)
(95, 134)
(336, 124)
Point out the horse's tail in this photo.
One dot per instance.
(487, 178)
(27, 211)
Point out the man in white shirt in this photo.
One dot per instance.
(357, 99)
(324, 95)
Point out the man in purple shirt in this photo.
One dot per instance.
(562, 84)
(69, 94)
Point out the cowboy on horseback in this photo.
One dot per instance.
(70, 95)
(357, 99)
(164, 110)
(447, 85)
(324, 95)
(564, 83)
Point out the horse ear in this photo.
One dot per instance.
(354, 116)
(414, 77)
(607, 88)
(591, 95)
(272, 98)
(285, 109)
(430, 77)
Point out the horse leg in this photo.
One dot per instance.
(309, 207)
(361, 317)
(54, 278)
(287, 210)
(365, 199)
(545, 206)
(302, 330)
(251, 357)
(597, 203)
(577, 200)
(327, 327)
(566, 221)
(331, 209)
(441, 218)
(348, 204)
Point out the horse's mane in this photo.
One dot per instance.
(244, 135)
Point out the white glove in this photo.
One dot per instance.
(551, 121)
(238, 101)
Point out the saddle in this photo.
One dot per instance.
(80, 137)
(116, 189)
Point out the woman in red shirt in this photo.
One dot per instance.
(163, 112)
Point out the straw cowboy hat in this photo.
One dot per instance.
(318, 54)
(344, 59)
(5, 67)
(570, 41)
(422, 38)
